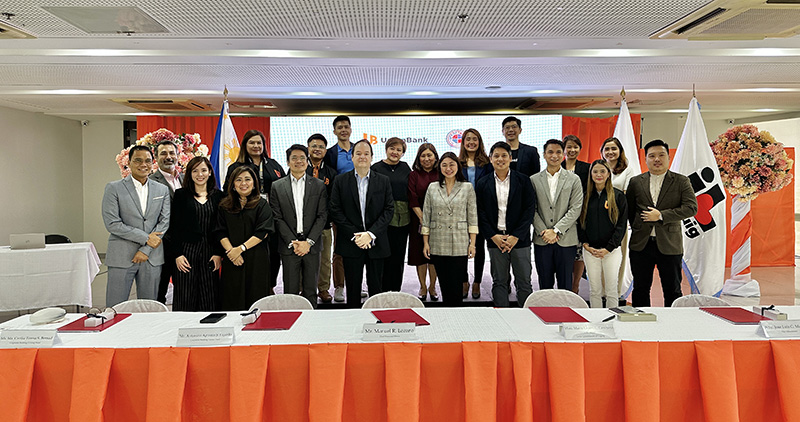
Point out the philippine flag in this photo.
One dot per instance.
(226, 146)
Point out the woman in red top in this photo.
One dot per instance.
(423, 174)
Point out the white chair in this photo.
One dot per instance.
(283, 302)
(388, 300)
(140, 306)
(555, 297)
(694, 301)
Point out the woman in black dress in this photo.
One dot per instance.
(198, 258)
(254, 154)
(572, 148)
(243, 222)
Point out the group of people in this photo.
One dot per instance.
(337, 214)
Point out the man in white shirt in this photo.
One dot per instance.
(169, 175)
(559, 199)
(136, 214)
(300, 207)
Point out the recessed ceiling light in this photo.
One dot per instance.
(307, 93)
(493, 87)
(422, 93)
(765, 110)
(545, 91)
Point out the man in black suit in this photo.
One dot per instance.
(524, 158)
(362, 208)
(506, 204)
(657, 202)
(169, 175)
(300, 207)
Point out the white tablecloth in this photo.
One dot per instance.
(59, 274)
(446, 325)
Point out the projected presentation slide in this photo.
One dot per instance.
(444, 132)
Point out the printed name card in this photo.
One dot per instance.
(205, 336)
(588, 331)
(780, 329)
(27, 338)
(406, 331)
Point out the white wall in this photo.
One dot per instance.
(41, 169)
(102, 141)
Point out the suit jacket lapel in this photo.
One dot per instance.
(562, 179)
(668, 179)
(646, 187)
(544, 187)
(290, 219)
(128, 183)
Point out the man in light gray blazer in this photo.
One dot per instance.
(555, 234)
(300, 206)
(169, 175)
(136, 214)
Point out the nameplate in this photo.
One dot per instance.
(780, 329)
(405, 331)
(27, 338)
(205, 336)
(588, 331)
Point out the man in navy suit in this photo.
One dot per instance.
(136, 214)
(506, 204)
(524, 158)
(169, 175)
(362, 207)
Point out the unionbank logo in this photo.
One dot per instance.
(703, 221)
(454, 138)
(371, 138)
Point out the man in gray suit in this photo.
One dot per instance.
(658, 201)
(168, 174)
(559, 198)
(136, 214)
(300, 207)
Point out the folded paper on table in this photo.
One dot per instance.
(274, 321)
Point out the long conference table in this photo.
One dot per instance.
(469, 364)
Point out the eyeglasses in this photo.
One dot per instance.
(510, 127)
(316, 147)
(297, 158)
(140, 161)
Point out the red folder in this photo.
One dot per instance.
(274, 321)
(78, 324)
(736, 315)
(557, 314)
(388, 316)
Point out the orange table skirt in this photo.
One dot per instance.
(638, 381)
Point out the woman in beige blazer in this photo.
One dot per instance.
(449, 227)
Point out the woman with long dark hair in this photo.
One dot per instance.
(601, 228)
(198, 257)
(423, 173)
(449, 227)
(475, 163)
(243, 222)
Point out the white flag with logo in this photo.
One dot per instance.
(624, 132)
(704, 234)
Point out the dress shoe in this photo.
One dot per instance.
(476, 290)
(363, 293)
(338, 294)
(432, 292)
(325, 296)
(423, 294)
(465, 290)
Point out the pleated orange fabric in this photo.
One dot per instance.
(565, 373)
(641, 380)
(326, 381)
(605, 396)
(247, 382)
(16, 377)
(480, 379)
(756, 385)
(717, 374)
(90, 384)
(166, 383)
(787, 368)
(403, 363)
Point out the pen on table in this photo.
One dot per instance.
(609, 318)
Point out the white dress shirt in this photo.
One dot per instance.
(141, 191)
(656, 181)
(299, 193)
(552, 183)
(502, 187)
(174, 182)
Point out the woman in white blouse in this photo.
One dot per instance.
(449, 227)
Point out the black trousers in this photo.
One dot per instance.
(274, 260)
(480, 258)
(554, 262)
(395, 264)
(669, 270)
(353, 274)
(452, 274)
(167, 270)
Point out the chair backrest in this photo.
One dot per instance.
(140, 306)
(283, 302)
(555, 297)
(693, 301)
(51, 239)
(387, 300)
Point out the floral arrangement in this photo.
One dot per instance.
(188, 144)
(751, 162)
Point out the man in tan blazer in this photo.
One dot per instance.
(559, 198)
(658, 201)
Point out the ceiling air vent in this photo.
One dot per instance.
(575, 103)
(737, 20)
(156, 105)
(11, 32)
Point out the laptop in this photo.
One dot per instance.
(27, 241)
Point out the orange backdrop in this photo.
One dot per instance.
(206, 126)
(593, 131)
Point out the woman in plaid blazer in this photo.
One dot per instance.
(449, 227)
